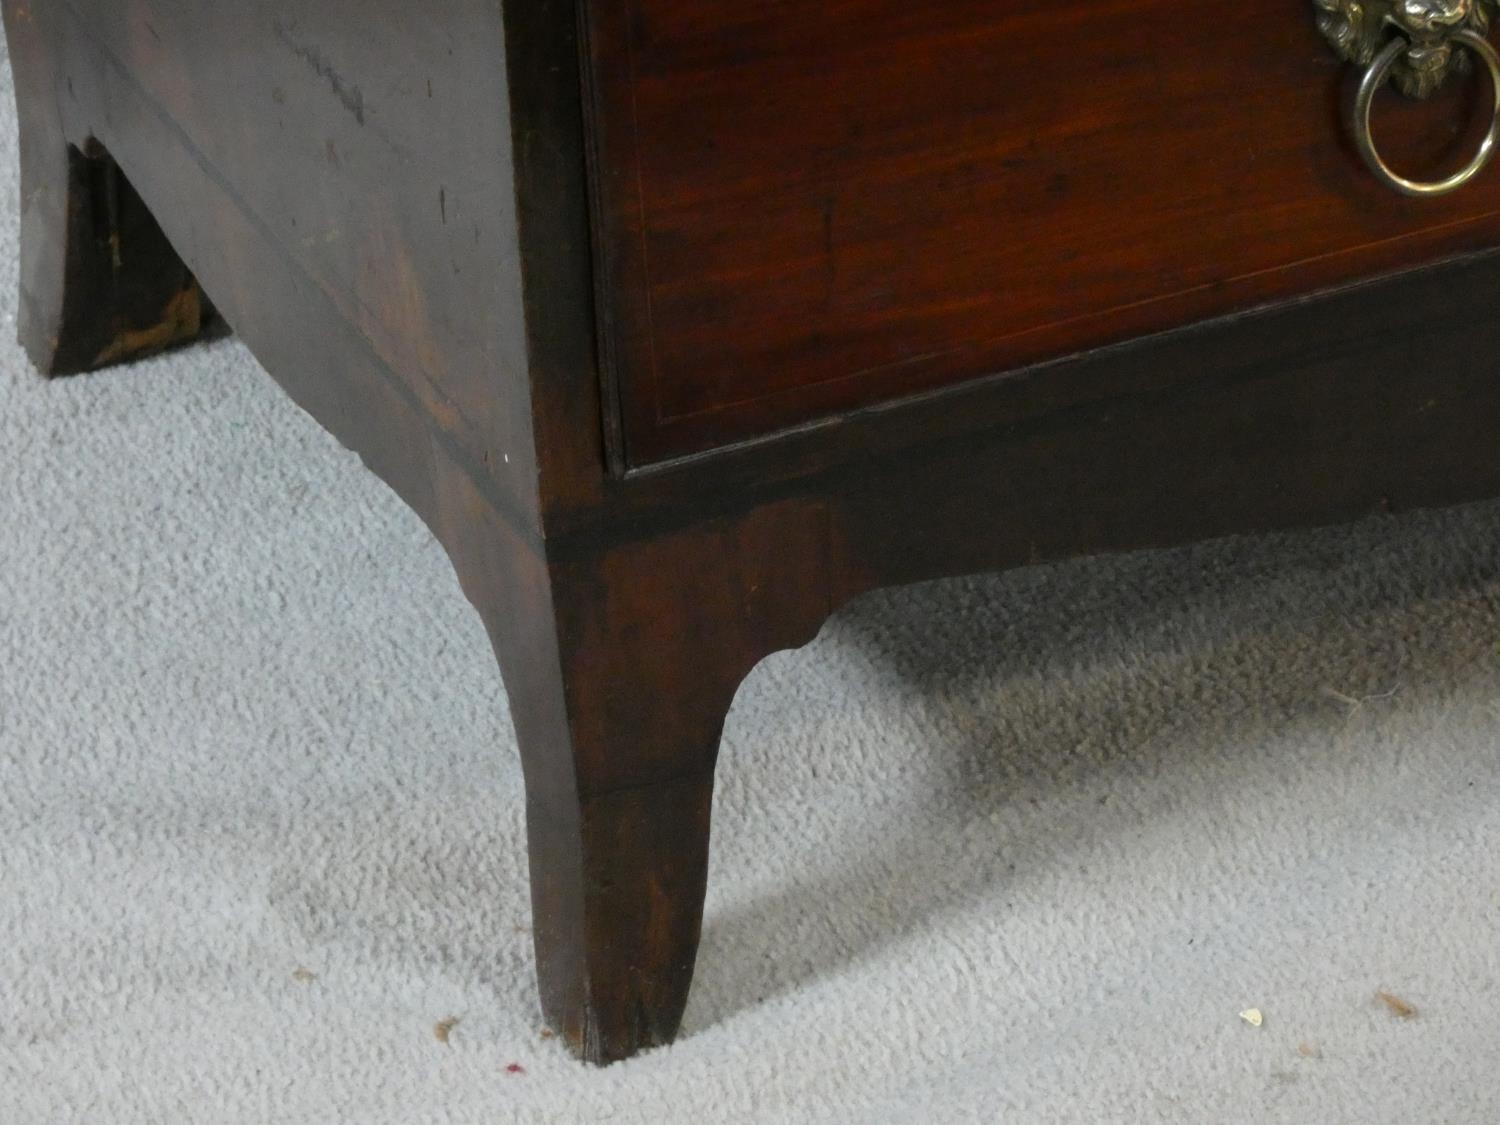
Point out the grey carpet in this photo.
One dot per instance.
(1014, 848)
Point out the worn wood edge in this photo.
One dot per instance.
(612, 408)
(568, 401)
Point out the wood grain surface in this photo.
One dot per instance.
(809, 208)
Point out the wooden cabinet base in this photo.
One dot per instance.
(621, 663)
(417, 269)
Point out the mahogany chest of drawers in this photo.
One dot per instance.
(682, 323)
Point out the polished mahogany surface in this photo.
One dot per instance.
(807, 208)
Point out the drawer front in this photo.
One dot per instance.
(806, 207)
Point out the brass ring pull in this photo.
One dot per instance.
(1377, 76)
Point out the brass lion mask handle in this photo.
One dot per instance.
(1417, 44)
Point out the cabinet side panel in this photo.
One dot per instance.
(366, 145)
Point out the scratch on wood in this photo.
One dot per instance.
(350, 95)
